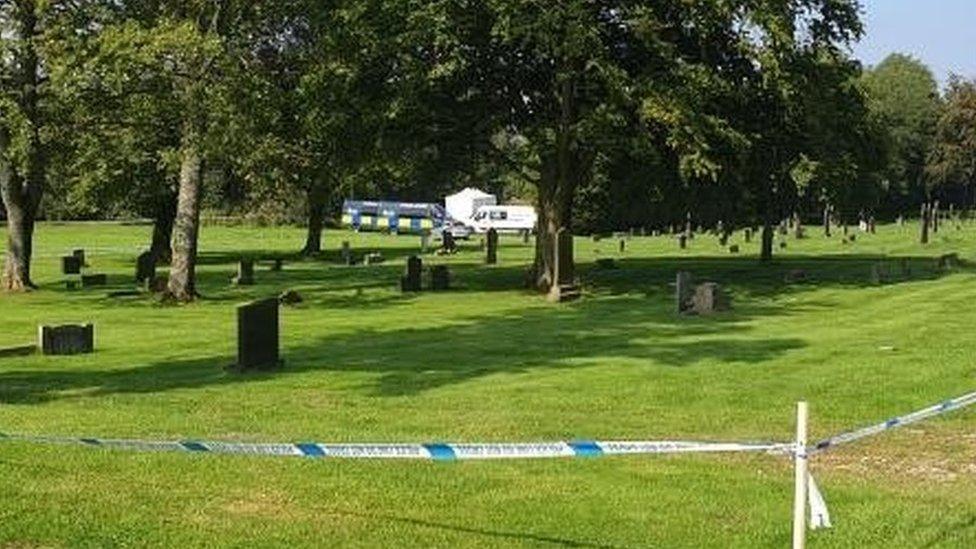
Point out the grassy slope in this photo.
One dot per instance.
(490, 362)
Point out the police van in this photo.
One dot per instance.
(504, 219)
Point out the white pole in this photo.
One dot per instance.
(800, 471)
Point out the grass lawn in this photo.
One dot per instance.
(492, 362)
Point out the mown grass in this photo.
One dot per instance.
(490, 361)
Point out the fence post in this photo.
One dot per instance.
(800, 473)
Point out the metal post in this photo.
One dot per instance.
(800, 472)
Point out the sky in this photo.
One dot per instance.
(941, 33)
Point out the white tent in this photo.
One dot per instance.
(463, 205)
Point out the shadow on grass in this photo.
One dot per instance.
(410, 360)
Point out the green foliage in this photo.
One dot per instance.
(952, 161)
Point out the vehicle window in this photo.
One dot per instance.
(499, 216)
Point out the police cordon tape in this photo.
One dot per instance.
(432, 451)
(512, 450)
(894, 423)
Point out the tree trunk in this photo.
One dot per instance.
(826, 221)
(766, 252)
(20, 234)
(926, 214)
(186, 227)
(316, 216)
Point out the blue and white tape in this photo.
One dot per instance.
(432, 451)
(895, 422)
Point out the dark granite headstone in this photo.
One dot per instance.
(491, 254)
(449, 246)
(257, 336)
(682, 241)
(683, 292)
(145, 267)
(66, 340)
(440, 278)
(411, 281)
(245, 273)
(748, 235)
(93, 280)
(623, 246)
(734, 249)
(80, 255)
(70, 265)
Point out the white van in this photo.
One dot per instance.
(504, 219)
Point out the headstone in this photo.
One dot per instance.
(525, 236)
(440, 278)
(257, 336)
(623, 246)
(748, 236)
(564, 287)
(71, 285)
(424, 242)
(491, 256)
(682, 241)
(782, 245)
(245, 273)
(145, 267)
(156, 284)
(872, 225)
(66, 340)
(290, 297)
(723, 239)
(346, 253)
(709, 298)
(70, 265)
(734, 249)
(374, 258)
(79, 254)
(683, 292)
(449, 245)
(411, 281)
(93, 280)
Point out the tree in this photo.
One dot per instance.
(952, 161)
(904, 99)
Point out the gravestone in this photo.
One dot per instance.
(709, 298)
(145, 267)
(449, 246)
(93, 280)
(491, 256)
(748, 235)
(257, 336)
(623, 246)
(70, 265)
(374, 258)
(80, 255)
(525, 236)
(411, 281)
(156, 284)
(424, 242)
(682, 241)
(245, 273)
(683, 292)
(346, 253)
(564, 287)
(723, 239)
(71, 285)
(66, 340)
(440, 278)
(782, 245)
(734, 249)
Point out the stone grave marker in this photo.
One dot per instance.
(682, 241)
(748, 235)
(491, 254)
(424, 242)
(257, 336)
(734, 249)
(346, 253)
(69, 339)
(80, 255)
(448, 245)
(70, 265)
(145, 267)
(245, 273)
(683, 292)
(93, 280)
(709, 298)
(623, 246)
(374, 258)
(440, 278)
(411, 281)
(525, 236)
